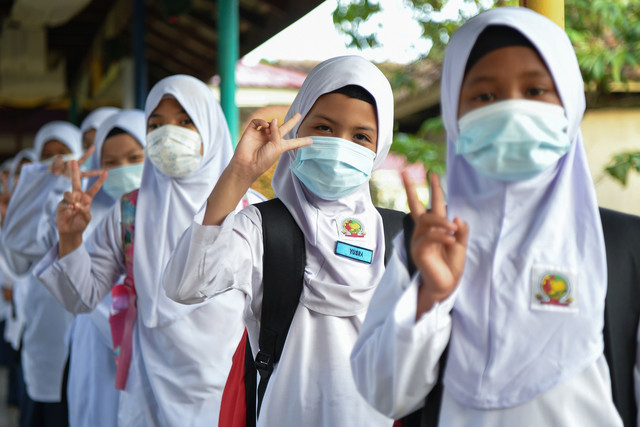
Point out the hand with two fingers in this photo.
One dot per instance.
(73, 212)
(261, 145)
(438, 246)
(259, 148)
(59, 166)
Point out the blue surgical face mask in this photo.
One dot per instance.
(122, 180)
(87, 164)
(332, 168)
(513, 140)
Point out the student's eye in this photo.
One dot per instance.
(138, 158)
(484, 97)
(186, 122)
(152, 126)
(535, 91)
(323, 128)
(362, 137)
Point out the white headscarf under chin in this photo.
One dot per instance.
(166, 206)
(335, 285)
(504, 350)
(61, 131)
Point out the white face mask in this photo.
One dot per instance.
(174, 150)
(513, 140)
(333, 167)
(122, 180)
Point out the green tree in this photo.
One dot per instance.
(605, 35)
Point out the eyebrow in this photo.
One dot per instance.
(158, 115)
(332, 121)
(125, 154)
(491, 78)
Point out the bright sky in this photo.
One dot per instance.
(315, 37)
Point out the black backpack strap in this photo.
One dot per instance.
(392, 224)
(282, 285)
(429, 414)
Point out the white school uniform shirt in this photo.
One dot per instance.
(181, 355)
(312, 383)
(510, 359)
(27, 234)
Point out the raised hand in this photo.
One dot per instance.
(61, 167)
(73, 213)
(261, 145)
(438, 246)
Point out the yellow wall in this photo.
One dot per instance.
(607, 132)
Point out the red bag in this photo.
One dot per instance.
(233, 408)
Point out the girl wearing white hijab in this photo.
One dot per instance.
(311, 384)
(181, 355)
(92, 397)
(523, 316)
(44, 348)
(91, 123)
(14, 320)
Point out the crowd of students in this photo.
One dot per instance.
(146, 283)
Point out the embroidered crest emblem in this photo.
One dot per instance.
(352, 227)
(555, 289)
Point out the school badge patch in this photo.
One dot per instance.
(352, 227)
(553, 289)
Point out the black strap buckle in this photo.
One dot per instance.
(264, 364)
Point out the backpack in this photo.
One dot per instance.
(282, 239)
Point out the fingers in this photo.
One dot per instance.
(93, 190)
(260, 124)
(92, 173)
(289, 124)
(415, 205)
(292, 144)
(438, 204)
(57, 167)
(462, 235)
(76, 184)
(87, 154)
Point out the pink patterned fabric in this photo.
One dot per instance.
(123, 309)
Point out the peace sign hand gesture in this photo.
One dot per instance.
(73, 213)
(61, 167)
(438, 246)
(261, 145)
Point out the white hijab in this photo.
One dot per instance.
(166, 206)
(24, 154)
(334, 285)
(95, 118)
(62, 131)
(505, 349)
(131, 121)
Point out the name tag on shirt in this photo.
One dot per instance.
(353, 252)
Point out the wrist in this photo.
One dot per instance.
(68, 243)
